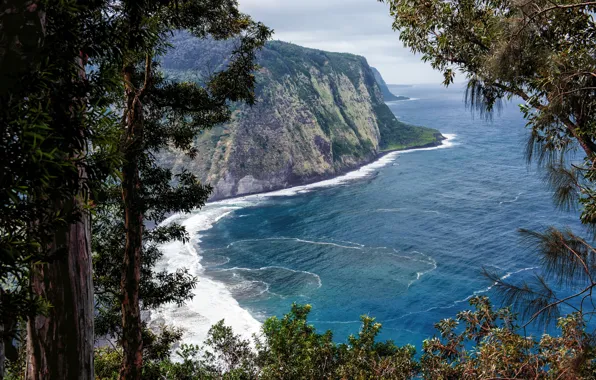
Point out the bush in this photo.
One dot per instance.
(477, 344)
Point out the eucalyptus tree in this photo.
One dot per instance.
(54, 149)
(156, 113)
(544, 53)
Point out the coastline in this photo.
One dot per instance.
(213, 301)
(440, 143)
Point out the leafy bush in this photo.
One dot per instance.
(482, 343)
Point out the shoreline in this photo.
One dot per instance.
(328, 177)
(213, 300)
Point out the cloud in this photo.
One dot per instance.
(360, 27)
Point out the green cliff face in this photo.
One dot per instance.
(318, 114)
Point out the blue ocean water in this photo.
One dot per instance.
(405, 244)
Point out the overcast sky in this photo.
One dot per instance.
(360, 27)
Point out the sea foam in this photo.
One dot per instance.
(212, 300)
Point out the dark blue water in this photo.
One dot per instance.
(406, 245)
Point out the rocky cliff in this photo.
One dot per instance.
(318, 114)
(387, 95)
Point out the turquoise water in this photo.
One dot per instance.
(406, 243)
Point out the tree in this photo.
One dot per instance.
(485, 344)
(543, 52)
(52, 115)
(540, 51)
(289, 348)
(156, 113)
(18, 153)
(482, 343)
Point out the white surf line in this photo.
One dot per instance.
(346, 241)
(374, 250)
(316, 276)
(513, 201)
(294, 239)
(401, 100)
(419, 275)
(428, 259)
(454, 303)
(362, 172)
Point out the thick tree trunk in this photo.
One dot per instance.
(60, 344)
(132, 343)
(8, 327)
(2, 351)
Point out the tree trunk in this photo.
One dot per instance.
(2, 351)
(132, 343)
(60, 344)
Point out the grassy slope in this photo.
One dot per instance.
(396, 135)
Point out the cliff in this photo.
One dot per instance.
(387, 95)
(318, 114)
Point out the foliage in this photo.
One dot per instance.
(482, 343)
(490, 346)
(158, 113)
(288, 348)
(58, 118)
(544, 53)
(293, 349)
(47, 138)
(55, 124)
(540, 51)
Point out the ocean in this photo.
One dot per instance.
(403, 239)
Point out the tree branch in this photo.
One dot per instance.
(558, 303)
(148, 75)
(555, 6)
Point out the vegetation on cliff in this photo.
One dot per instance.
(318, 114)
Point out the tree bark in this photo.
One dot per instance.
(132, 343)
(2, 351)
(60, 344)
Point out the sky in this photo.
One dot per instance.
(360, 27)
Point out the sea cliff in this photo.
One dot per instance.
(318, 115)
(388, 96)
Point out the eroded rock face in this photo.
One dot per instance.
(318, 114)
